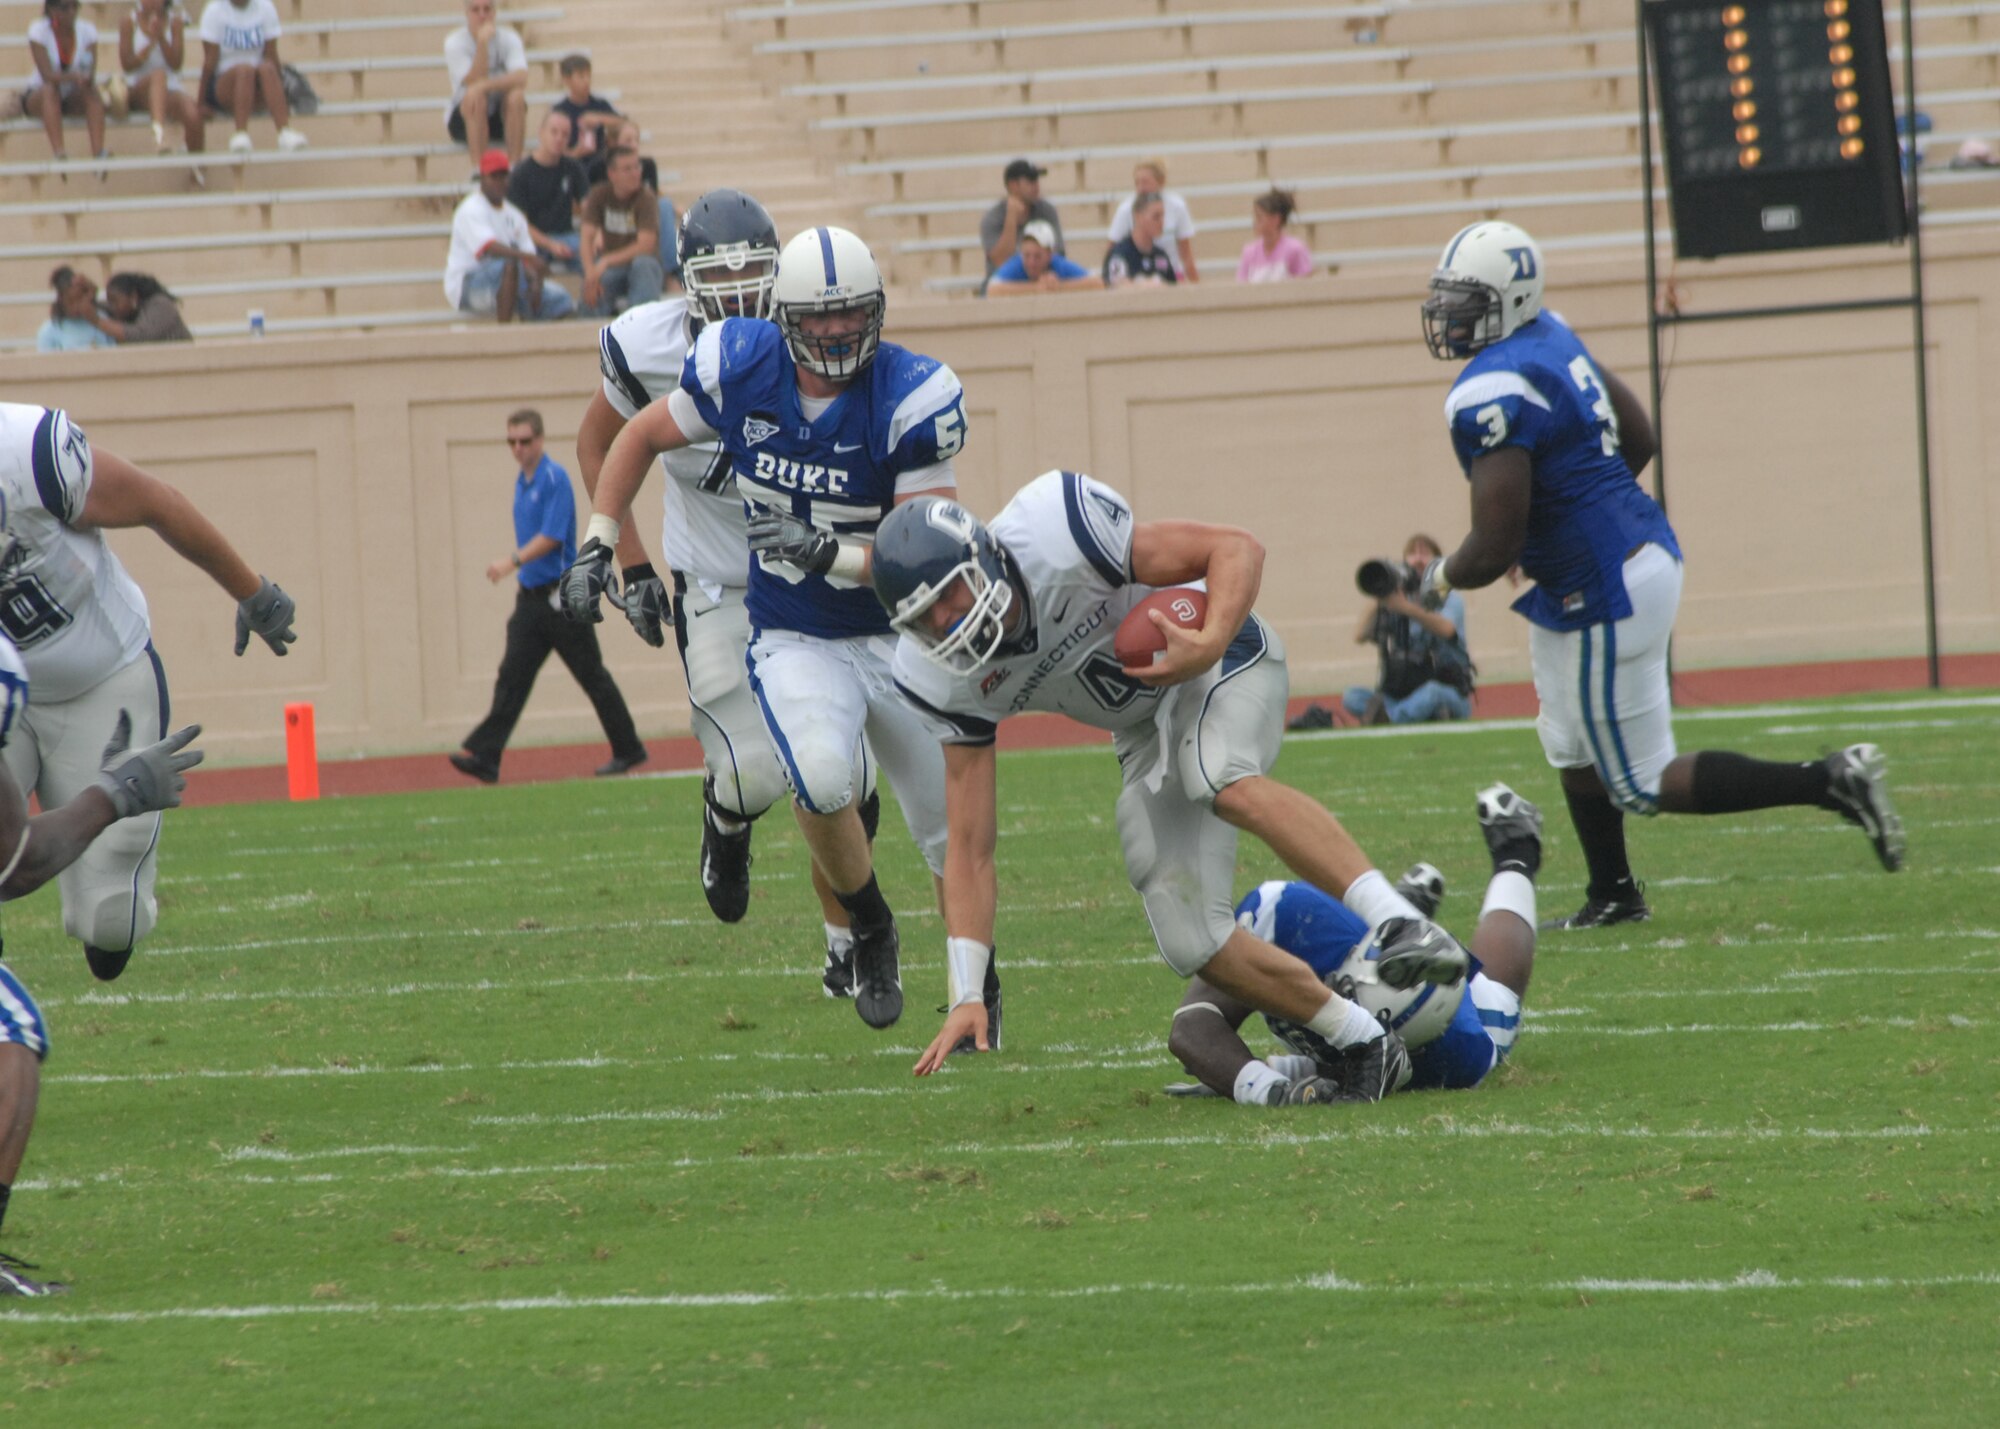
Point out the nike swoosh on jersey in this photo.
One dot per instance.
(840, 450)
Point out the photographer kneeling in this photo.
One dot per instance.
(1426, 672)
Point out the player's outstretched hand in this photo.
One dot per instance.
(144, 781)
(781, 536)
(646, 604)
(1187, 655)
(587, 579)
(269, 614)
(966, 1020)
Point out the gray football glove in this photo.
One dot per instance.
(268, 613)
(783, 537)
(647, 604)
(144, 781)
(588, 577)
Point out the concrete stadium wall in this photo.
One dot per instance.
(368, 475)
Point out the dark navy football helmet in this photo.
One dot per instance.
(922, 548)
(729, 259)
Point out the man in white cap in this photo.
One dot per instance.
(1036, 267)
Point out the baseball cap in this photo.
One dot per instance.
(1041, 231)
(494, 161)
(1022, 169)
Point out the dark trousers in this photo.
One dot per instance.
(535, 629)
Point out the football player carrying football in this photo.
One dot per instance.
(729, 263)
(1024, 616)
(826, 427)
(1552, 444)
(1456, 1033)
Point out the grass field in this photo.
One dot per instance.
(458, 1109)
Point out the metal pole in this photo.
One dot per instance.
(1923, 376)
(1652, 276)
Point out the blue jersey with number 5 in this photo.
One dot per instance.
(1539, 390)
(891, 431)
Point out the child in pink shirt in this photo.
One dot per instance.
(1273, 255)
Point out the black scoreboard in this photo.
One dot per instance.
(1779, 124)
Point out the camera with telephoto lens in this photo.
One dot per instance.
(1378, 578)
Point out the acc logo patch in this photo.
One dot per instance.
(756, 429)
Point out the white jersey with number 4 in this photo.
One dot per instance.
(65, 600)
(702, 536)
(1071, 537)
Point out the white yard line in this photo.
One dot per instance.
(1749, 1281)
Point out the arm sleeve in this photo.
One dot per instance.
(557, 517)
(687, 416)
(1453, 610)
(1490, 410)
(212, 21)
(950, 726)
(938, 476)
(513, 52)
(62, 465)
(1121, 223)
(1299, 259)
(274, 28)
(1100, 522)
(701, 378)
(457, 55)
(927, 427)
(1181, 219)
(624, 389)
(156, 320)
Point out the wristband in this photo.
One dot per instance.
(965, 961)
(1440, 578)
(850, 561)
(603, 530)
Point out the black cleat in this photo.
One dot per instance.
(1423, 887)
(725, 863)
(1313, 1091)
(1858, 789)
(106, 963)
(474, 767)
(878, 987)
(1603, 912)
(1513, 829)
(620, 763)
(990, 994)
(14, 1283)
(837, 980)
(1370, 1071)
(1415, 950)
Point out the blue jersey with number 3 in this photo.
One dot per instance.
(842, 471)
(1539, 390)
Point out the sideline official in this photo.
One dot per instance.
(544, 546)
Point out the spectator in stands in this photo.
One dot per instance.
(1273, 255)
(492, 266)
(549, 188)
(239, 64)
(152, 45)
(1000, 229)
(1140, 259)
(488, 65)
(138, 308)
(64, 51)
(1150, 177)
(589, 117)
(626, 136)
(1036, 267)
(67, 329)
(621, 239)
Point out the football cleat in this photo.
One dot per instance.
(1513, 829)
(725, 863)
(1858, 788)
(878, 986)
(990, 995)
(1415, 950)
(837, 980)
(14, 1283)
(1370, 1071)
(1603, 912)
(1423, 888)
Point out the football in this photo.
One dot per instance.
(1138, 640)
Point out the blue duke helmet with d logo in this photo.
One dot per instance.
(921, 548)
(1487, 284)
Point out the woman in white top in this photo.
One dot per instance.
(151, 48)
(1149, 176)
(64, 50)
(239, 65)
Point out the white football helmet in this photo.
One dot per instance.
(1487, 285)
(1417, 1014)
(825, 271)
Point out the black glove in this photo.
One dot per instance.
(647, 604)
(782, 536)
(147, 780)
(267, 613)
(588, 577)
